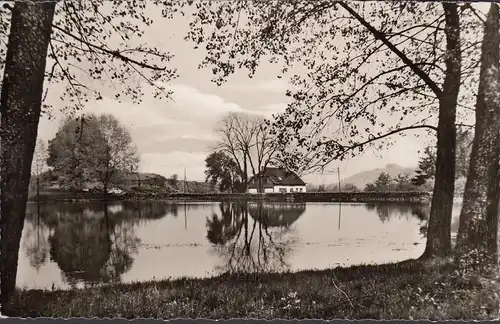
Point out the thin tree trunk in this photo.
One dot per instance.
(20, 102)
(38, 188)
(480, 203)
(439, 229)
(245, 173)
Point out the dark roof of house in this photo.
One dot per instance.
(279, 176)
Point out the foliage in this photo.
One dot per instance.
(96, 46)
(71, 152)
(173, 180)
(116, 153)
(222, 171)
(351, 75)
(426, 167)
(385, 183)
(344, 187)
(91, 149)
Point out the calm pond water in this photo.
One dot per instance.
(77, 244)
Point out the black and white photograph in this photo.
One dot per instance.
(250, 159)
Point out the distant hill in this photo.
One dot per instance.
(361, 179)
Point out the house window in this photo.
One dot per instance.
(300, 189)
(291, 189)
(282, 190)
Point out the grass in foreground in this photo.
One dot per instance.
(405, 290)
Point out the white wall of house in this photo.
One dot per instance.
(266, 190)
(279, 189)
(288, 189)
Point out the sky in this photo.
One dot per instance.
(177, 135)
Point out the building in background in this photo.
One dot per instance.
(276, 180)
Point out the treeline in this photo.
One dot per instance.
(401, 182)
(383, 183)
(347, 187)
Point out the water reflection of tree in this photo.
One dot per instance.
(389, 210)
(95, 242)
(253, 237)
(35, 242)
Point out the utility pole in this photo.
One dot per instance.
(185, 217)
(184, 187)
(340, 213)
(338, 175)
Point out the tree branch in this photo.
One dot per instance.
(474, 11)
(379, 35)
(375, 138)
(114, 53)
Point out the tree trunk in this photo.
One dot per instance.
(439, 229)
(38, 188)
(20, 102)
(245, 173)
(105, 189)
(480, 204)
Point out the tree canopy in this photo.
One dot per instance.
(99, 151)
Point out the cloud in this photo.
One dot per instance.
(195, 106)
(268, 110)
(170, 163)
(183, 144)
(269, 85)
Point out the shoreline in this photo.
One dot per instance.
(410, 289)
(360, 197)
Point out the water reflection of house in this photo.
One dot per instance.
(276, 180)
(276, 214)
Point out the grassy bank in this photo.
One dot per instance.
(406, 290)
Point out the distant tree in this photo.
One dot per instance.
(403, 182)
(321, 188)
(39, 164)
(248, 140)
(173, 180)
(222, 171)
(96, 150)
(384, 182)
(71, 152)
(349, 187)
(117, 152)
(236, 132)
(370, 187)
(426, 167)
